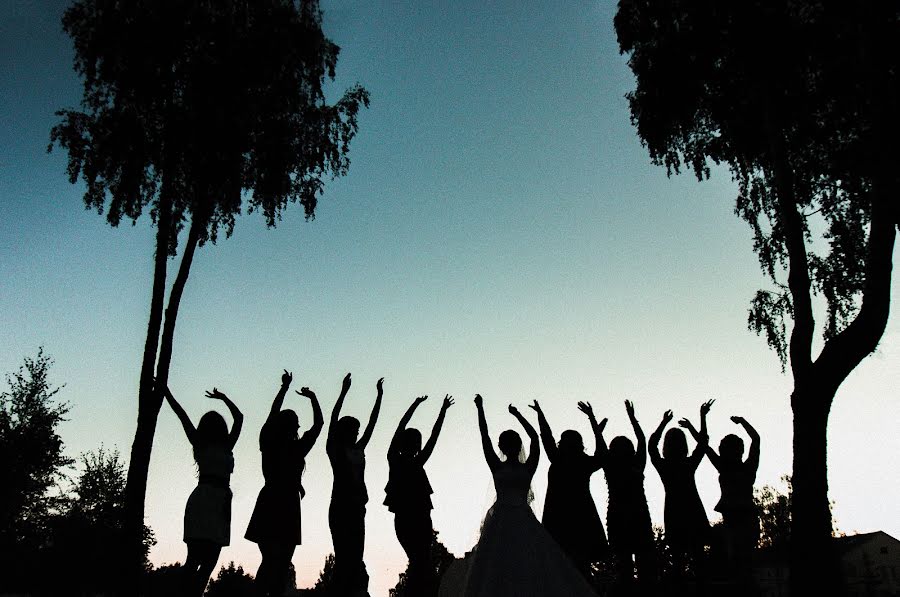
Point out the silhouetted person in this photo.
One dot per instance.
(627, 517)
(207, 517)
(570, 515)
(686, 524)
(275, 523)
(347, 512)
(408, 496)
(515, 556)
(740, 521)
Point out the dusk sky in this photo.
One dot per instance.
(501, 231)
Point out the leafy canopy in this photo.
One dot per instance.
(191, 105)
(785, 93)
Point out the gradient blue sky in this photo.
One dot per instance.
(501, 231)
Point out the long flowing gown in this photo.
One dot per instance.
(516, 556)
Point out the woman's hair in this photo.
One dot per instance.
(621, 451)
(570, 443)
(510, 445)
(675, 444)
(286, 425)
(731, 448)
(211, 429)
(347, 430)
(409, 442)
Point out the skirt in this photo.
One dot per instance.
(207, 516)
(276, 516)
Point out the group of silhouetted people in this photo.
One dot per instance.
(516, 555)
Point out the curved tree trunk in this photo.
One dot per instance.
(149, 401)
(148, 407)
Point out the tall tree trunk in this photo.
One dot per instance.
(814, 566)
(149, 403)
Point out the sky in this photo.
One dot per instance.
(501, 231)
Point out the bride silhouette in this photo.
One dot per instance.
(515, 556)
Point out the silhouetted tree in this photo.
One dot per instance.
(86, 556)
(31, 453)
(164, 581)
(187, 106)
(231, 582)
(799, 99)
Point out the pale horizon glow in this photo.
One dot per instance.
(501, 231)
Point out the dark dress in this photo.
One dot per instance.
(276, 516)
(627, 517)
(347, 511)
(570, 515)
(736, 504)
(687, 527)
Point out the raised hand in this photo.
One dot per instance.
(478, 400)
(686, 424)
(629, 408)
(738, 420)
(602, 424)
(668, 416)
(586, 408)
(378, 385)
(535, 407)
(704, 408)
(513, 410)
(216, 394)
(286, 378)
(304, 391)
(421, 399)
(345, 385)
(448, 402)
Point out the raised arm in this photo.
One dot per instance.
(655, 458)
(189, 430)
(492, 459)
(640, 449)
(336, 411)
(308, 439)
(367, 434)
(702, 438)
(534, 451)
(286, 379)
(753, 455)
(235, 414)
(599, 445)
(404, 421)
(546, 434)
(425, 453)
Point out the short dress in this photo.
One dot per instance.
(570, 515)
(276, 516)
(207, 516)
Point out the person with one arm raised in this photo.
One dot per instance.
(275, 523)
(207, 516)
(347, 511)
(570, 515)
(408, 495)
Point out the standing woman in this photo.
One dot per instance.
(347, 512)
(627, 517)
(408, 495)
(686, 524)
(570, 514)
(207, 517)
(515, 556)
(275, 523)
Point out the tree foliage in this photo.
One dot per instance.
(195, 103)
(231, 581)
(791, 96)
(32, 454)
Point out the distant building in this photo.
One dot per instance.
(870, 563)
